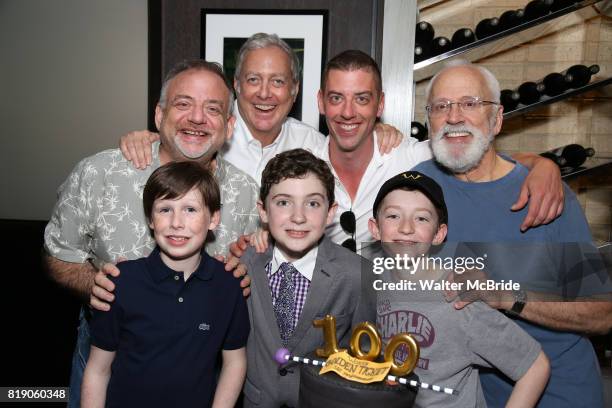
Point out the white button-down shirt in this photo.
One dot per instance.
(305, 268)
(381, 168)
(305, 265)
(247, 153)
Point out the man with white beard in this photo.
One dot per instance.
(464, 116)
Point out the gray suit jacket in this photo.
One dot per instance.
(335, 289)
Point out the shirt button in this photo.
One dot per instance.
(176, 277)
(180, 300)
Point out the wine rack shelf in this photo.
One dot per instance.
(515, 36)
(547, 100)
(590, 164)
(425, 69)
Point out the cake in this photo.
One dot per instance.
(331, 390)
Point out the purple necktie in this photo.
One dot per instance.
(284, 308)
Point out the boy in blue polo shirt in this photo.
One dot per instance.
(174, 310)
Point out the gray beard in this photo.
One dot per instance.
(469, 155)
(194, 156)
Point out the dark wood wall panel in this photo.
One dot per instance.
(353, 24)
(350, 23)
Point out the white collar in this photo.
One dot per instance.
(305, 265)
(377, 158)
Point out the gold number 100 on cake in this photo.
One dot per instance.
(330, 346)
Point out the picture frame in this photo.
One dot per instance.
(223, 31)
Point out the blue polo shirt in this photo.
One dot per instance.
(167, 333)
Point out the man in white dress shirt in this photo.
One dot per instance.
(266, 82)
(351, 98)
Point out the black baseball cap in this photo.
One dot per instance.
(417, 181)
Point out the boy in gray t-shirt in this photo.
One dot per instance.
(409, 216)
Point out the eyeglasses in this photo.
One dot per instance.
(348, 224)
(467, 104)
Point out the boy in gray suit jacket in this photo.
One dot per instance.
(301, 277)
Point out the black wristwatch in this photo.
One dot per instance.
(520, 299)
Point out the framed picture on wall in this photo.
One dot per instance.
(225, 30)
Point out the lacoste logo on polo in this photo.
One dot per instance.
(204, 327)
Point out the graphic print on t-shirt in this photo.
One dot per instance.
(390, 322)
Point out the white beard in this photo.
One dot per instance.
(460, 158)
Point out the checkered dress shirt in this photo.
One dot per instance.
(301, 284)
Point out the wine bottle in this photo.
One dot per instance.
(529, 92)
(462, 37)
(440, 45)
(509, 99)
(511, 18)
(581, 75)
(424, 33)
(487, 28)
(418, 131)
(555, 84)
(561, 4)
(572, 155)
(537, 8)
(559, 161)
(421, 52)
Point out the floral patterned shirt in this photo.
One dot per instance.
(99, 213)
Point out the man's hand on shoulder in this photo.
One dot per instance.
(232, 263)
(239, 247)
(388, 137)
(543, 189)
(136, 147)
(260, 240)
(102, 291)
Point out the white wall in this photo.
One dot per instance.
(73, 78)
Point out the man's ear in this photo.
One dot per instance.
(231, 124)
(320, 102)
(381, 105)
(373, 227)
(296, 90)
(440, 234)
(215, 219)
(159, 115)
(499, 118)
(331, 213)
(262, 212)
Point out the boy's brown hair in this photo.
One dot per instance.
(174, 180)
(296, 163)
